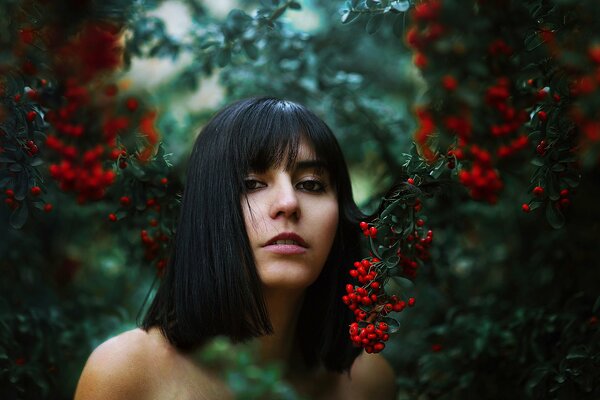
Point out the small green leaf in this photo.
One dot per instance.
(374, 23)
(19, 216)
(36, 161)
(389, 209)
(223, 57)
(538, 162)
(251, 50)
(392, 323)
(403, 282)
(398, 26)
(14, 167)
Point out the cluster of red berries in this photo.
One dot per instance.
(367, 299)
(419, 246)
(13, 203)
(368, 231)
(370, 304)
(425, 31)
(563, 201)
(154, 245)
(482, 179)
(371, 337)
(80, 171)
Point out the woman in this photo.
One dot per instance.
(267, 230)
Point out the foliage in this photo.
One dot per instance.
(507, 114)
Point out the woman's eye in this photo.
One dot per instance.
(311, 186)
(253, 184)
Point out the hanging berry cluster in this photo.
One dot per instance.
(399, 244)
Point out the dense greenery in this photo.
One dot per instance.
(500, 96)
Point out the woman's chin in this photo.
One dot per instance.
(288, 278)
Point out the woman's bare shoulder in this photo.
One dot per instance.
(123, 366)
(372, 377)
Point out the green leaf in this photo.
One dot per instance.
(19, 216)
(251, 50)
(223, 57)
(294, 5)
(36, 161)
(393, 324)
(14, 167)
(533, 40)
(398, 26)
(403, 282)
(374, 23)
(555, 217)
(538, 162)
(389, 209)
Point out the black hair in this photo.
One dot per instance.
(211, 286)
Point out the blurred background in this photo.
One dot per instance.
(490, 106)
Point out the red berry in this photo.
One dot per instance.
(9, 193)
(420, 222)
(564, 193)
(420, 60)
(411, 301)
(35, 191)
(542, 115)
(372, 231)
(131, 104)
(525, 208)
(436, 347)
(164, 181)
(410, 181)
(31, 115)
(538, 191)
(449, 82)
(564, 203)
(125, 201)
(47, 207)
(112, 217)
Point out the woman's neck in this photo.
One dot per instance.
(283, 307)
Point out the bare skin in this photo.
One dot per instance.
(143, 365)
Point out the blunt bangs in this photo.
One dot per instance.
(211, 285)
(270, 132)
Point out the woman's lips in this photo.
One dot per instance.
(286, 243)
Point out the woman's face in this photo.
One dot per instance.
(291, 218)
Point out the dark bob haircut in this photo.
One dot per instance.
(211, 286)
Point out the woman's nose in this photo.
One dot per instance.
(285, 200)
